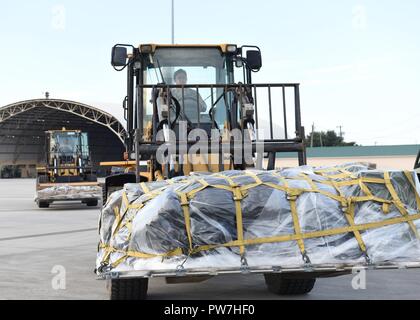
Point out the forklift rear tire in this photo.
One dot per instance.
(42, 179)
(91, 178)
(129, 289)
(92, 203)
(43, 204)
(279, 284)
(104, 195)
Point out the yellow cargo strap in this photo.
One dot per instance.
(348, 173)
(348, 209)
(254, 176)
(117, 214)
(365, 189)
(311, 183)
(228, 179)
(237, 197)
(398, 203)
(135, 254)
(410, 179)
(186, 210)
(144, 187)
(117, 221)
(135, 206)
(204, 185)
(314, 234)
(296, 224)
(125, 202)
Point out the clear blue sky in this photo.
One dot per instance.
(358, 62)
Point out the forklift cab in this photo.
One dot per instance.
(216, 96)
(202, 100)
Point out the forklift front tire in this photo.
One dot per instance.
(92, 203)
(279, 284)
(43, 204)
(129, 289)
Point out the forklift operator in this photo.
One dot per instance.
(188, 101)
(66, 146)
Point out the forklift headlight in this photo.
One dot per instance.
(231, 48)
(146, 48)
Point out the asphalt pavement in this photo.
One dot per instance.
(50, 254)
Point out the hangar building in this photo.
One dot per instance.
(22, 133)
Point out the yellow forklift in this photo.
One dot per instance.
(156, 101)
(67, 174)
(159, 101)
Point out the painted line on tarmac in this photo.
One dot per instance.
(47, 234)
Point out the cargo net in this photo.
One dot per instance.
(346, 215)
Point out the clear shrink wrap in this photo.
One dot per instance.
(347, 215)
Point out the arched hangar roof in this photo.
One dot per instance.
(37, 107)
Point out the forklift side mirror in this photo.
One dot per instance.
(118, 56)
(253, 59)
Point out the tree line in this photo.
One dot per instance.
(326, 139)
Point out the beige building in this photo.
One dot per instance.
(400, 157)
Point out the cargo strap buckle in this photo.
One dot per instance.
(276, 269)
(104, 268)
(305, 258)
(180, 270)
(292, 194)
(368, 259)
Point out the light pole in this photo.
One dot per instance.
(341, 133)
(312, 135)
(173, 23)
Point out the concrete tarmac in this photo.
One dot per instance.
(36, 243)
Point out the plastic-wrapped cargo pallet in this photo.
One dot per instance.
(348, 215)
(69, 192)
